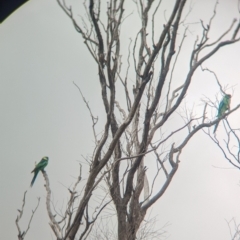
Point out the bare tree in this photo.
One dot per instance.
(22, 234)
(234, 229)
(137, 127)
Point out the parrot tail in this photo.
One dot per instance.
(34, 178)
(215, 128)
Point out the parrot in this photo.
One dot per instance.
(39, 167)
(223, 107)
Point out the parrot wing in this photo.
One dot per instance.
(41, 165)
(223, 107)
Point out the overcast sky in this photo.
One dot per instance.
(42, 114)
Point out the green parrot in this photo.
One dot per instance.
(223, 107)
(39, 167)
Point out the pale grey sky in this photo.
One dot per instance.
(42, 114)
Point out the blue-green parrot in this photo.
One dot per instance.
(39, 167)
(223, 107)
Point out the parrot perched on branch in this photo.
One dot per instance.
(223, 107)
(39, 167)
